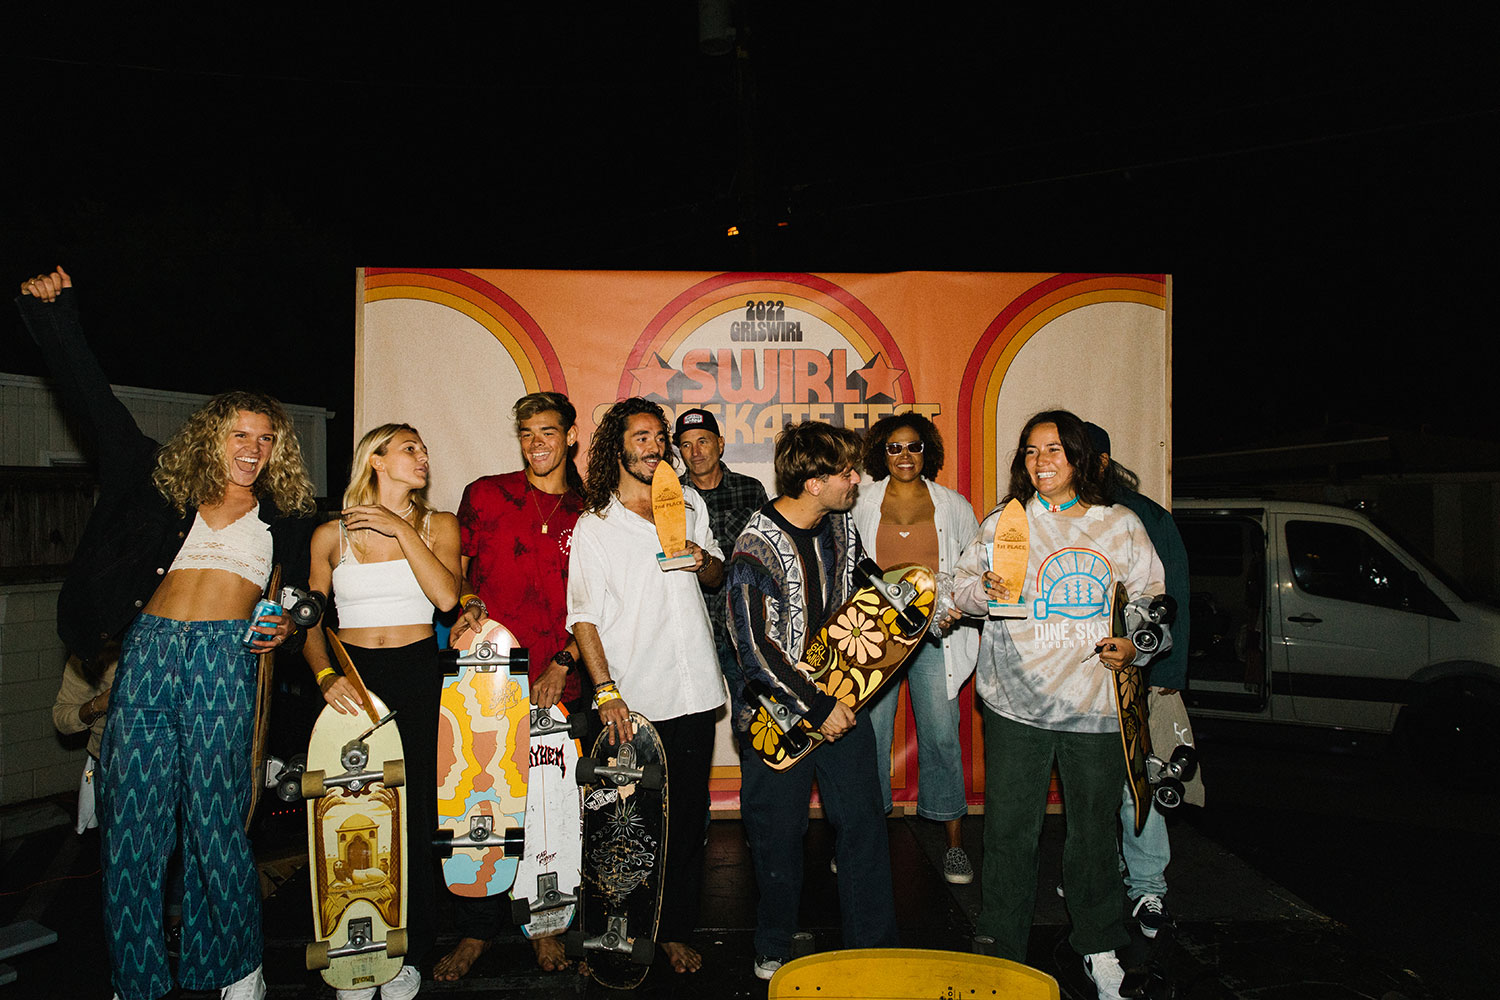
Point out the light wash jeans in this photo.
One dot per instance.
(1147, 856)
(940, 794)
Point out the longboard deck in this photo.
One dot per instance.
(1008, 558)
(1130, 708)
(357, 846)
(265, 671)
(483, 745)
(907, 974)
(852, 657)
(624, 846)
(554, 826)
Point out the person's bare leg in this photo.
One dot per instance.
(955, 830)
(683, 958)
(456, 964)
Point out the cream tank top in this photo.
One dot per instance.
(242, 547)
(376, 594)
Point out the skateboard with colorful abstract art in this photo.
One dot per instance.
(624, 846)
(546, 889)
(484, 726)
(851, 657)
(356, 840)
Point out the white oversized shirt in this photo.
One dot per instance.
(653, 625)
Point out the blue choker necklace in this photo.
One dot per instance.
(1058, 508)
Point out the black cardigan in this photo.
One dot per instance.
(134, 532)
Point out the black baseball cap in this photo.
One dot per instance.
(695, 420)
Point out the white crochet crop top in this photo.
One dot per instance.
(377, 594)
(242, 547)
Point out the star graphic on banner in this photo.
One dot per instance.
(652, 379)
(880, 378)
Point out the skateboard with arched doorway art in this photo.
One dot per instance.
(354, 782)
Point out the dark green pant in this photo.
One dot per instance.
(1017, 768)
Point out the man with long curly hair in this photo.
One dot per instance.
(793, 565)
(646, 639)
(174, 557)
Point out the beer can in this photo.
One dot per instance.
(263, 607)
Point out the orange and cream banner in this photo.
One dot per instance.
(450, 350)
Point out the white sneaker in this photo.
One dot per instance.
(405, 986)
(1104, 969)
(252, 987)
(363, 993)
(766, 965)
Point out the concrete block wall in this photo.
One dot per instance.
(35, 760)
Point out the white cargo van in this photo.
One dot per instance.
(1309, 614)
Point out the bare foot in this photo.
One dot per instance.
(456, 964)
(683, 958)
(550, 954)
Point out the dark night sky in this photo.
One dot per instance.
(1322, 188)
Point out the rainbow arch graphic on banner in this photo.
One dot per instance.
(486, 305)
(807, 293)
(1028, 313)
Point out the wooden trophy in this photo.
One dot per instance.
(671, 517)
(1008, 559)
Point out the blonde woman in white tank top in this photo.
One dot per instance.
(398, 560)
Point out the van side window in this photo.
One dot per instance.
(1341, 562)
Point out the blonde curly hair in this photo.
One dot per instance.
(191, 468)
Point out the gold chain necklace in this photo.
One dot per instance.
(533, 492)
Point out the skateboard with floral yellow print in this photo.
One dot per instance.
(862, 646)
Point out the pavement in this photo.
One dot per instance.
(1236, 934)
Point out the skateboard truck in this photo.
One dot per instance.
(486, 657)
(360, 941)
(482, 836)
(898, 595)
(621, 773)
(548, 897)
(543, 724)
(355, 756)
(786, 720)
(1170, 775)
(616, 938)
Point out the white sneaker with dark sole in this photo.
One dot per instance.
(1104, 969)
(766, 965)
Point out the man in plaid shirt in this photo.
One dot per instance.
(731, 498)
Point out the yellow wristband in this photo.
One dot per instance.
(322, 674)
(603, 696)
(464, 599)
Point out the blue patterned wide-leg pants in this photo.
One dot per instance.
(178, 734)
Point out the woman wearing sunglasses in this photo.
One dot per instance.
(905, 517)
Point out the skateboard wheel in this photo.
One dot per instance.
(312, 788)
(520, 911)
(573, 944)
(395, 942)
(317, 956)
(442, 844)
(578, 725)
(584, 772)
(652, 776)
(1169, 793)
(520, 661)
(1186, 759)
(803, 944)
(394, 774)
(642, 951)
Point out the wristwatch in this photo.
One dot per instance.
(566, 659)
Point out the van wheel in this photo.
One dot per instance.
(1452, 729)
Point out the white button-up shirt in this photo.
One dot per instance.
(653, 625)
